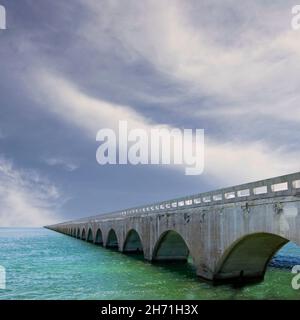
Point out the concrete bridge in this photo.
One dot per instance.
(230, 233)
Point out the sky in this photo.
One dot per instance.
(70, 68)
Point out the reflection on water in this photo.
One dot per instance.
(42, 264)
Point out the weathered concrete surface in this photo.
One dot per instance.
(232, 236)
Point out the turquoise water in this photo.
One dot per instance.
(42, 264)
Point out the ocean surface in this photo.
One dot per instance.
(42, 264)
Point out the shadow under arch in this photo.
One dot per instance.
(99, 237)
(133, 243)
(83, 235)
(171, 247)
(246, 260)
(78, 234)
(90, 237)
(112, 240)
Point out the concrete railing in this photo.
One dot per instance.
(288, 185)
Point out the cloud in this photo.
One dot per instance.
(66, 164)
(226, 163)
(244, 56)
(235, 163)
(62, 97)
(27, 199)
(242, 59)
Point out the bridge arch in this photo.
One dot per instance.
(83, 234)
(112, 240)
(133, 242)
(248, 257)
(99, 237)
(90, 237)
(170, 246)
(78, 233)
